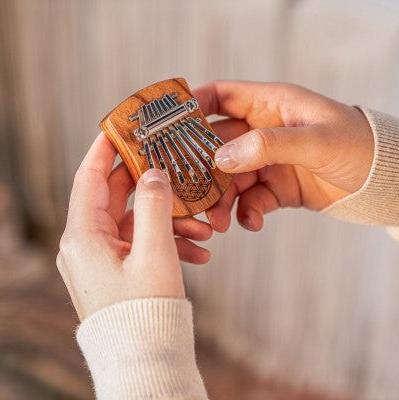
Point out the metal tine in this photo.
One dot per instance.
(206, 131)
(148, 154)
(195, 145)
(186, 147)
(167, 102)
(163, 105)
(171, 100)
(146, 115)
(154, 109)
(141, 116)
(150, 112)
(186, 163)
(172, 160)
(158, 106)
(161, 161)
(134, 117)
(199, 135)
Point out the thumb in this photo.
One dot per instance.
(153, 229)
(154, 255)
(268, 146)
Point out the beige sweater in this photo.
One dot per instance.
(144, 349)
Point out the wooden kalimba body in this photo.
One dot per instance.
(162, 126)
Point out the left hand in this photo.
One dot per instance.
(287, 147)
(100, 259)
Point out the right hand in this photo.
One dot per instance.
(109, 255)
(287, 146)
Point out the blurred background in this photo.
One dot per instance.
(306, 309)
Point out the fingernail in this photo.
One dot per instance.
(225, 156)
(154, 175)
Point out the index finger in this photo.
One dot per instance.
(90, 190)
(237, 99)
(225, 98)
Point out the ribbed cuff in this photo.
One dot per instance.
(142, 349)
(377, 202)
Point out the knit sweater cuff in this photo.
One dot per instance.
(377, 202)
(142, 349)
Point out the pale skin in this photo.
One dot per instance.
(286, 146)
(100, 260)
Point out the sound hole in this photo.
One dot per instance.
(190, 191)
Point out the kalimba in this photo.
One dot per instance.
(162, 126)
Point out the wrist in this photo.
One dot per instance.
(376, 201)
(367, 142)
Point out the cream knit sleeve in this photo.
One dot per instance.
(377, 202)
(142, 349)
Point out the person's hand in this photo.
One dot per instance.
(302, 149)
(100, 259)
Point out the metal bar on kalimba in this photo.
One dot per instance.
(195, 145)
(150, 112)
(172, 160)
(184, 160)
(141, 116)
(154, 109)
(148, 154)
(158, 106)
(163, 105)
(186, 147)
(199, 135)
(206, 131)
(169, 101)
(145, 112)
(158, 154)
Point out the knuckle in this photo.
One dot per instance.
(60, 262)
(67, 247)
(293, 87)
(214, 83)
(151, 196)
(86, 171)
(64, 251)
(63, 267)
(264, 140)
(157, 194)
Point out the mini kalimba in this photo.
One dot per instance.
(162, 126)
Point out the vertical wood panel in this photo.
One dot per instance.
(309, 300)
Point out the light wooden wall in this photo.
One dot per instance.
(309, 300)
